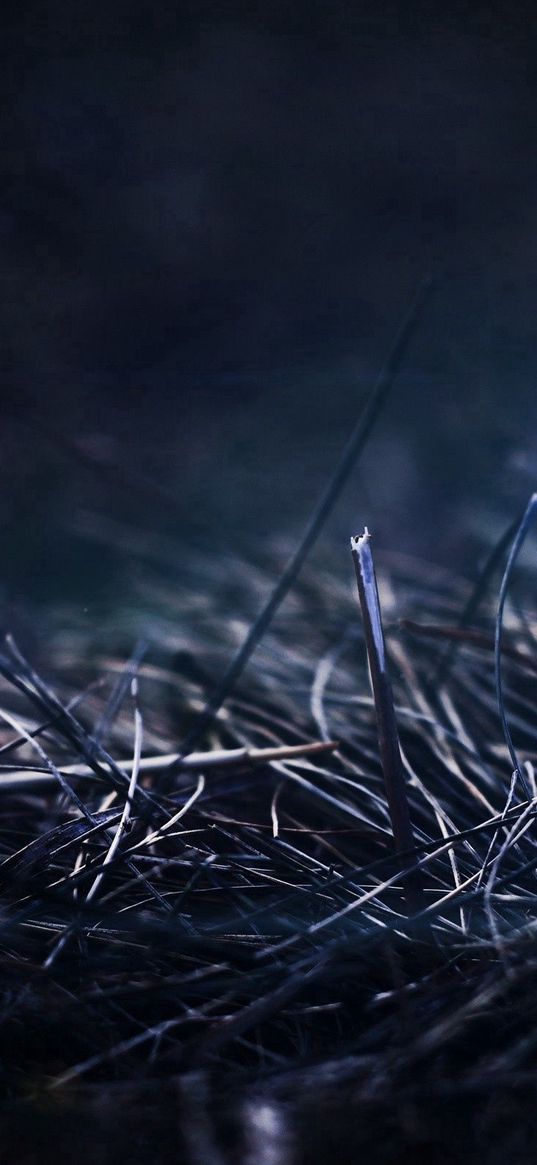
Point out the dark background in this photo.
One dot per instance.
(213, 217)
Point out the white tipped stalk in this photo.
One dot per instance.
(388, 737)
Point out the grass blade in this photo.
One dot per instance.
(388, 737)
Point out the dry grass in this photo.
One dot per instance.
(240, 925)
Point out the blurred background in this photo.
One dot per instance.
(213, 216)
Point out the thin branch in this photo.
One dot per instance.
(220, 758)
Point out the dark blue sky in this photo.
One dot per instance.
(213, 215)
(199, 189)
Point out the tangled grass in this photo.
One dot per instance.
(250, 914)
(234, 924)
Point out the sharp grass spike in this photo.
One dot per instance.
(388, 737)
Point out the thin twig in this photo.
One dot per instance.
(221, 758)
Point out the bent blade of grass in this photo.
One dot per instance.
(492, 563)
(158, 833)
(351, 452)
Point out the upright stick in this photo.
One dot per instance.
(388, 737)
